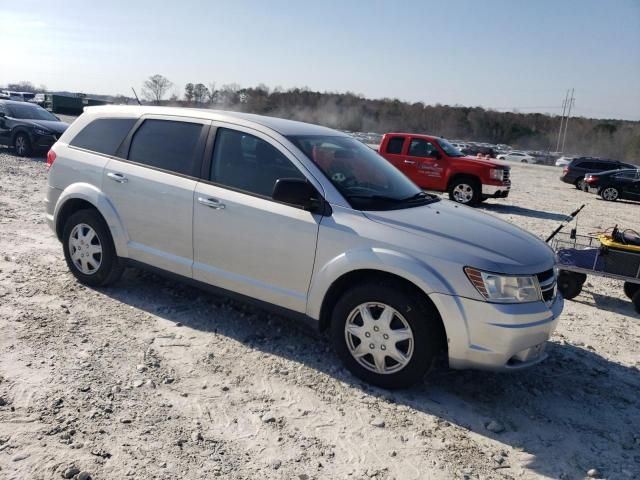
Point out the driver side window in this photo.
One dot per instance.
(245, 162)
(421, 148)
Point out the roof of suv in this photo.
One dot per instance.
(280, 125)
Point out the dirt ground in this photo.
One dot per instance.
(152, 379)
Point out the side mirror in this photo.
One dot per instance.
(297, 192)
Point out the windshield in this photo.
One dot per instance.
(449, 149)
(364, 178)
(31, 112)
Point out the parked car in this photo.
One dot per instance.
(515, 156)
(615, 184)
(28, 127)
(575, 172)
(19, 96)
(307, 221)
(473, 150)
(434, 164)
(563, 161)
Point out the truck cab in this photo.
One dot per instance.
(432, 163)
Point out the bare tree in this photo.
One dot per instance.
(200, 93)
(188, 92)
(212, 93)
(22, 86)
(156, 87)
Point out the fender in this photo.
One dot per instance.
(94, 196)
(385, 260)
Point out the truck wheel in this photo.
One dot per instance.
(385, 334)
(630, 289)
(569, 284)
(89, 249)
(22, 144)
(465, 190)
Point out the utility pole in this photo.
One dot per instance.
(564, 108)
(572, 101)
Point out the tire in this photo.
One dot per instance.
(609, 193)
(88, 231)
(630, 289)
(579, 183)
(570, 284)
(636, 301)
(414, 321)
(466, 191)
(22, 145)
(524, 161)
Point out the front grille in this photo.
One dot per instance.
(506, 176)
(547, 281)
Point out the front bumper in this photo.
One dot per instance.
(43, 142)
(492, 336)
(495, 191)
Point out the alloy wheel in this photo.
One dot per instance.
(379, 338)
(610, 194)
(85, 249)
(21, 145)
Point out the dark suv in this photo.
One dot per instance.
(28, 127)
(575, 172)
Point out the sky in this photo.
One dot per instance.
(499, 54)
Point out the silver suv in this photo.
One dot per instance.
(309, 221)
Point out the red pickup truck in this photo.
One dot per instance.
(432, 163)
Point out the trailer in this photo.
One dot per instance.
(68, 104)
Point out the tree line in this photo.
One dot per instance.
(611, 138)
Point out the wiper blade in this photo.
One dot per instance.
(421, 196)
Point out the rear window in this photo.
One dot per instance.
(103, 135)
(167, 144)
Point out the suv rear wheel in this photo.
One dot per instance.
(465, 190)
(386, 335)
(89, 249)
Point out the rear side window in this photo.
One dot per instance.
(395, 145)
(103, 135)
(168, 145)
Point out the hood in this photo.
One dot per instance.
(485, 163)
(51, 125)
(450, 231)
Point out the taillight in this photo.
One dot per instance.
(51, 157)
(591, 179)
(565, 170)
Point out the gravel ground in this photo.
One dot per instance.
(152, 379)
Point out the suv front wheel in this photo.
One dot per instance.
(89, 249)
(386, 335)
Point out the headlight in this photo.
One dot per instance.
(40, 131)
(504, 288)
(496, 173)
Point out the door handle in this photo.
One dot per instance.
(117, 177)
(410, 162)
(211, 203)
